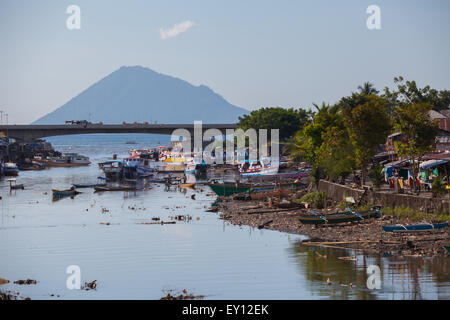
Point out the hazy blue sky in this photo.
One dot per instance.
(253, 53)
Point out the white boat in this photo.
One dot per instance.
(258, 167)
(138, 168)
(10, 169)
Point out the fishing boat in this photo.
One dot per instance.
(257, 168)
(229, 188)
(79, 186)
(115, 188)
(188, 185)
(58, 194)
(415, 227)
(10, 169)
(68, 160)
(340, 217)
(33, 165)
(193, 166)
(112, 169)
(134, 168)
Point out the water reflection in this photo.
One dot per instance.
(409, 278)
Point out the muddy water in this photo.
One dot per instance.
(40, 238)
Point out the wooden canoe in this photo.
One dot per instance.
(339, 217)
(58, 194)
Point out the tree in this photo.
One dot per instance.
(336, 154)
(288, 121)
(417, 129)
(368, 126)
(408, 92)
(306, 143)
(367, 88)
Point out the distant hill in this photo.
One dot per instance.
(140, 94)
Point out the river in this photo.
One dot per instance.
(103, 234)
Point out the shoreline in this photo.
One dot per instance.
(366, 236)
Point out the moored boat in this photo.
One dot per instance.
(415, 227)
(229, 188)
(68, 160)
(115, 188)
(58, 194)
(79, 186)
(10, 169)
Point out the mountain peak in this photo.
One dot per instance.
(137, 93)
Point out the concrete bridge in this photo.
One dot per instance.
(29, 133)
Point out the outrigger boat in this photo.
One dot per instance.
(59, 194)
(340, 217)
(414, 227)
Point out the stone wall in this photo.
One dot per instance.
(338, 192)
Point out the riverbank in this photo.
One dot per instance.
(367, 236)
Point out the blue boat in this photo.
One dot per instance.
(414, 227)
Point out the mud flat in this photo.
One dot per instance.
(366, 236)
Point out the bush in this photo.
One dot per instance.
(314, 199)
(377, 176)
(438, 187)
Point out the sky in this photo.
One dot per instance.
(255, 53)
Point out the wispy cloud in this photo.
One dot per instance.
(175, 30)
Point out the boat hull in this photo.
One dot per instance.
(339, 218)
(415, 227)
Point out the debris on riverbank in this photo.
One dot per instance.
(8, 295)
(184, 295)
(364, 235)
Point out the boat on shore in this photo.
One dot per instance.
(339, 217)
(415, 227)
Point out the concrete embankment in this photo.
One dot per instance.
(338, 192)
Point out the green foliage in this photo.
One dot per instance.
(377, 176)
(368, 124)
(288, 121)
(417, 129)
(306, 143)
(438, 187)
(408, 93)
(336, 154)
(414, 215)
(314, 199)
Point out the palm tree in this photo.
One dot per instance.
(367, 88)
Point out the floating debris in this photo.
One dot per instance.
(184, 295)
(90, 285)
(27, 281)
